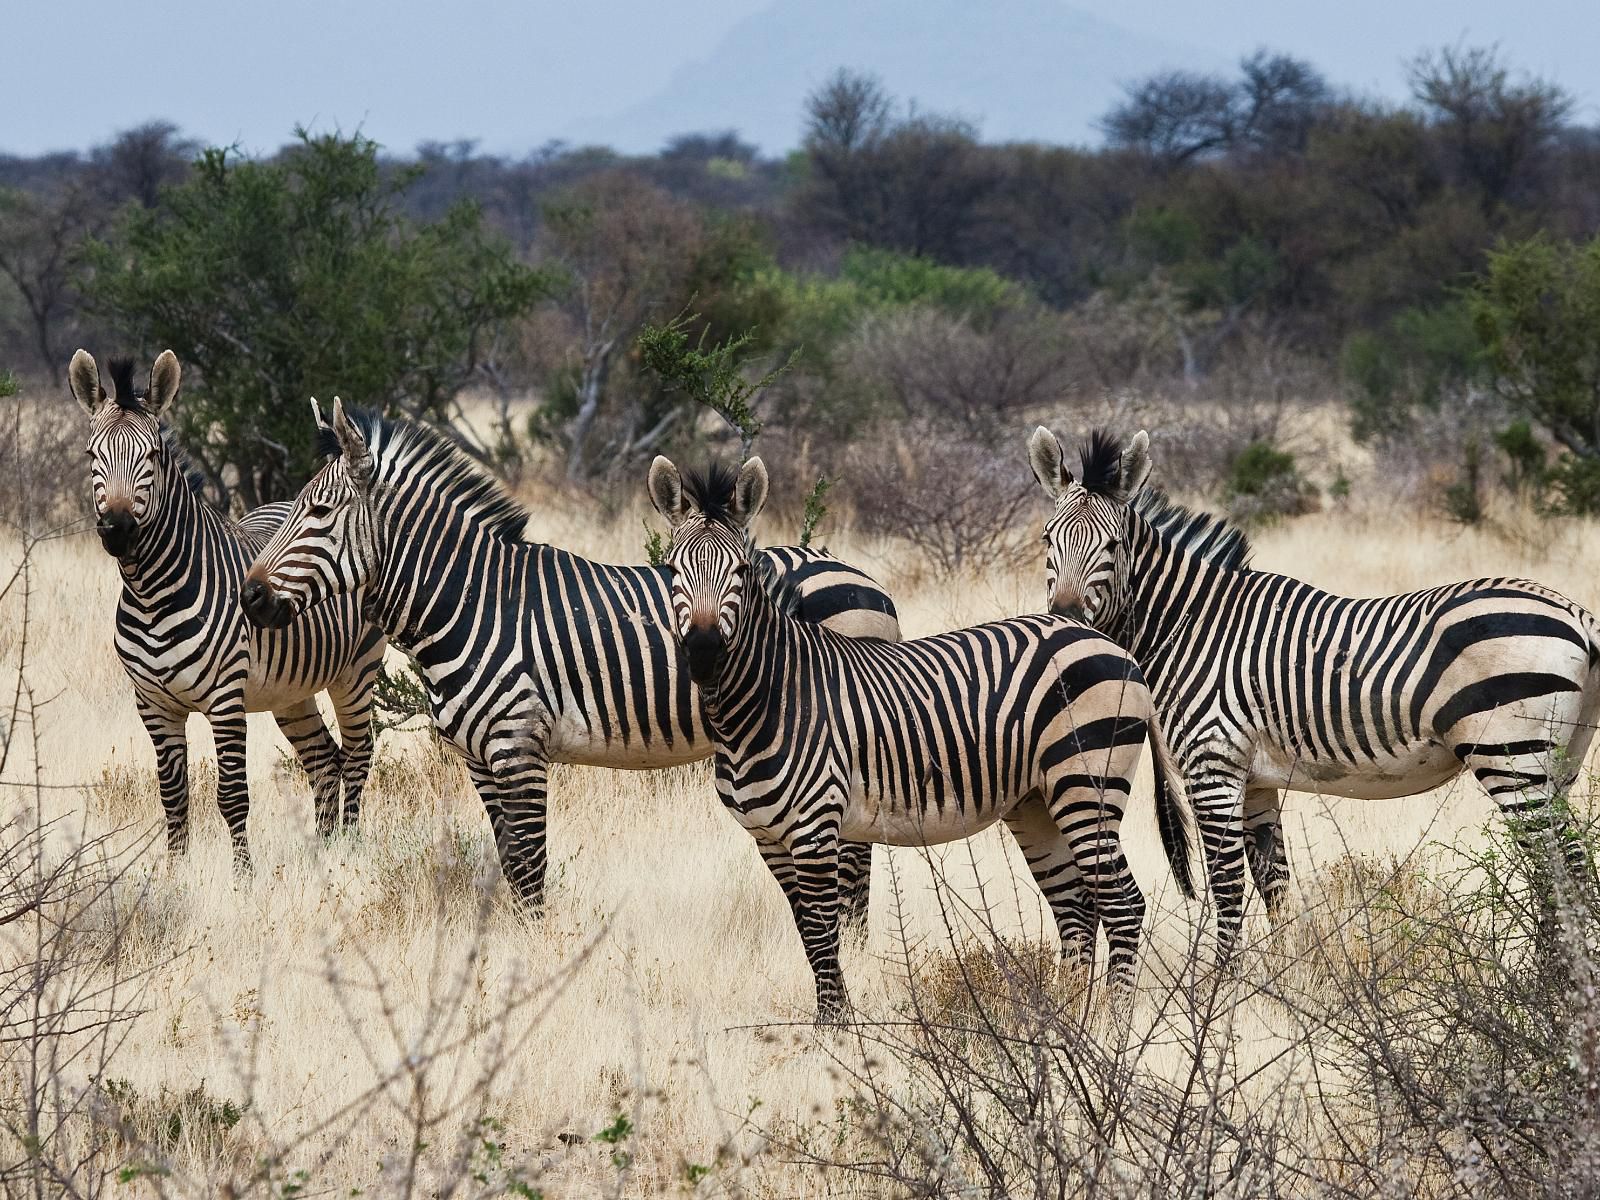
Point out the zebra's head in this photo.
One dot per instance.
(327, 545)
(1086, 561)
(125, 443)
(709, 513)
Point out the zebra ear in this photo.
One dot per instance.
(83, 377)
(1135, 467)
(666, 491)
(163, 383)
(1048, 463)
(357, 455)
(750, 491)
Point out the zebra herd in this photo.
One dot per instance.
(829, 733)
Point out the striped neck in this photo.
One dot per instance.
(1167, 588)
(753, 668)
(172, 543)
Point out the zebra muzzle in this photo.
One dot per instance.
(704, 648)
(116, 530)
(264, 607)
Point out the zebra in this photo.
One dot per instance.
(821, 741)
(531, 654)
(1265, 682)
(179, 630)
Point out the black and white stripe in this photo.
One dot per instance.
(823, 742)
(532, 655)
(180, 632)
(1265, 682)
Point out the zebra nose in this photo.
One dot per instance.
(116, 529)
(703, 648)
(1068, 609)
(262, 606)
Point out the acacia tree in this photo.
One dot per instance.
(277, 280)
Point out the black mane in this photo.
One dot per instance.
(1210, 537)
(711, 489)
(124, 391)
(1101, 460)
(455, 480)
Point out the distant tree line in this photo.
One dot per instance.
(1407, 254)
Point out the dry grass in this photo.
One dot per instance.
(277, 1002)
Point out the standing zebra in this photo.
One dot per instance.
(180, 633)
(823, 741)
(1265, 682)
(532, 655)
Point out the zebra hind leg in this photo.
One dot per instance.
(855, 884)
(171, 741)
(318, 753)
(1264, 848)
(1529, 781)
(1055, 869)
(1087, 808)
(808, 873)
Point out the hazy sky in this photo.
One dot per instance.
(514, 75)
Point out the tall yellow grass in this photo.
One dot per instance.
(672, 962)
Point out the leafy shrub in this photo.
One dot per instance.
(1264, 484)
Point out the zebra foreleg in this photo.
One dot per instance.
(1264, 848)
(171, 741)
(1051, 863)
(809, 876)
(233, 785)
(1218, 794)
(318, 753)
(352, 708)
(855, 884)
(514, 790)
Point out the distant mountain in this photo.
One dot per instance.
(1024, 70)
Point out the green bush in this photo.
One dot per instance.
(1418, 358)
(277, 280)
(1264, 484)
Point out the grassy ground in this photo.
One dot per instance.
(352, 1000)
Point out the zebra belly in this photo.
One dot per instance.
(572, 741)
(903, 825)
(1405, 771)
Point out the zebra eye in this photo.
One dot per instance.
(315, 508)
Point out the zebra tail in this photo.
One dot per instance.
(1174, 814)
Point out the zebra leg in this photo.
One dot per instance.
(318, 753)
(1055, 869)
(809, 877)
(233, 785)
(171, 741)
(855, 883)
(1217, 791)
(352, 707)
(514, 792)
(1087, 811)
(1528, 781)
(1264, 848)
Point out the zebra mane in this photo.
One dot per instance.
(192, 475)
(711, 489)
(1100, 462)
(124, 391)
(1209, 536)
(403, 448)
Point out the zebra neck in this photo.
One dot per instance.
(754, 670)
(183, 541)
(1168, 587)
(431, 583)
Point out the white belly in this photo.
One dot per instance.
(865, 823)
(1407, 771)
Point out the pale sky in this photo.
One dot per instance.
(514, 75)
